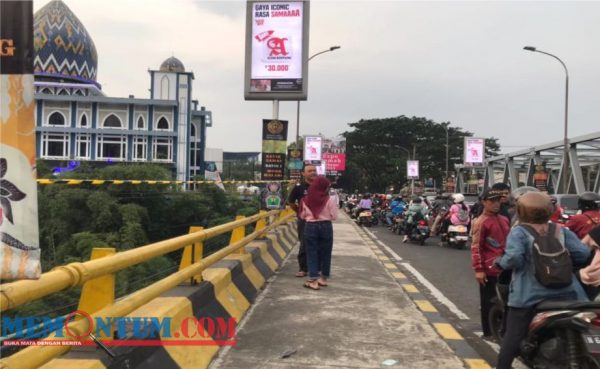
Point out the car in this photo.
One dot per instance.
(568, 202)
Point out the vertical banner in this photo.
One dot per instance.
(334, 155)
(412, 169)
(312, 149)
(211, 173)
(295, 164)
(271, 197)
(540, 178)
(474, 151)
(276, 50)
(274, 148)
(19, 234)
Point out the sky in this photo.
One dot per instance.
(448, 61)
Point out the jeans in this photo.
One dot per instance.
(318, 240)
(517, 324)
(389, 218)
(302, 250)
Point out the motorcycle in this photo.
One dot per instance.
(562, 334)
(365, 218)
(420, 232)
(456, 236)
(398, 224)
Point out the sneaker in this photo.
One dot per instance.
(405, 239)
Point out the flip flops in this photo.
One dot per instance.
(308, 284)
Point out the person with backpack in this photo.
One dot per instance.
(541, 256)
(581, 224)
(490, 230)
(458, 213)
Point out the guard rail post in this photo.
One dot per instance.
(193, 254)
(238, 234)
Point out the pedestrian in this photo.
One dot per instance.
(309, 173)
(490, 231)
(318, 209)
(526, 288)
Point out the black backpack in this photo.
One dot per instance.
(552, 261)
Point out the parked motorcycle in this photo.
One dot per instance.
(562, 334)
(457, 236)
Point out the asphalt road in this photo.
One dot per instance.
(449, 271)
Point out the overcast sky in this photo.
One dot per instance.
(461, 62)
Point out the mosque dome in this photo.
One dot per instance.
(63, 47)
(172, 65)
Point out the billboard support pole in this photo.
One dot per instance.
(275, 109)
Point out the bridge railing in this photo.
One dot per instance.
(77, 274)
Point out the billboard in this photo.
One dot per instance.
(295, 163)
(312, 148)
(334, 155)
(474, 151)
(274, 149)
(412, 169)
(276, 50)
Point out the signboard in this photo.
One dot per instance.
(295, 163)
(276, 50)
(474, 151)
(271, 197)
(312, 148)
(321, 169)
(19, 234)
(274, 148)
(335, 162)
(412, 169)
(334, 155)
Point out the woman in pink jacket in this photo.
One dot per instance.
(318, 210)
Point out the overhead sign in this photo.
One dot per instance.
(312, 148)
(412, 169)
(474, 150)
(276, 50)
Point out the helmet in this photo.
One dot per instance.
(458, 198)
(417, 200)
(588, 201)
(517, 193)
(534, 207)
(388, 197)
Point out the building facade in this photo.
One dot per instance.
(76, 121)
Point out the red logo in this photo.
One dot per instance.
(260, 22)
(277, 46)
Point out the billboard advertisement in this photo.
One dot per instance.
(334, 155)
(312, 148)
(274, 149)
(295, 163)
(276, 50)
(474, 151)
(412, 169)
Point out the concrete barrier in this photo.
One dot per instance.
(228, 289)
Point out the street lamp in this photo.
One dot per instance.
(332, 48)
(565, 167)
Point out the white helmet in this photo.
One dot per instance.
(458, 198)
(388, 197)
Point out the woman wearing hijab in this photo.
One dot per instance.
(318, 210)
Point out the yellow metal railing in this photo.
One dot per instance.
(76, 274)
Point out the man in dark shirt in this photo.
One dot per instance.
(298, 192)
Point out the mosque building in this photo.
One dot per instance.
(76, 121)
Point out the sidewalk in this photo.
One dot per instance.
(362, 319)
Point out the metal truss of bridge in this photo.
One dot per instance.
(518, 168)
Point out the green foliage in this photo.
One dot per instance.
(377, 151)
(74, 220)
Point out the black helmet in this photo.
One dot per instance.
(588, 201)
(417, 200)
(534, 207)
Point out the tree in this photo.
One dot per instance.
(377, 151)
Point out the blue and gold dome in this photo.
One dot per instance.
(63, 47)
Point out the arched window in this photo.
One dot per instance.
(163, 123)
(83, 121)
(164, 88)
(56, 119)
(193, 130)
(112, 121)
(140, 123)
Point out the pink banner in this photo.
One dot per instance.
(335, 162)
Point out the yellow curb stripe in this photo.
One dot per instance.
(425, 306)
(399, 275)
(477, 364)
(384, 258)
(389, 265)
(410, 288)
(447, 331)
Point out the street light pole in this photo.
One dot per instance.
(332, 48)
(565, 168)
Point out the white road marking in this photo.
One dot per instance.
(388, 249)
(437, 294)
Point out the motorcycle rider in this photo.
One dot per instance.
(489, 241)
(581, 224)
(416, 211)
(458, 213)
(365, 204)
(533, 209)
(557, 213)
(397, 207)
